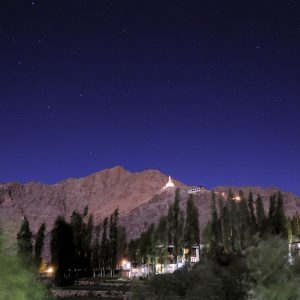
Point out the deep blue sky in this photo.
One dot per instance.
(207, 91)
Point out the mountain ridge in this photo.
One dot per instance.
(138, 195)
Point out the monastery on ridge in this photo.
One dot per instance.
(168, 184)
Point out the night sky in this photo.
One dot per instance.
(207, 91)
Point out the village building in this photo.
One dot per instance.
(165, 262)
(196, 189)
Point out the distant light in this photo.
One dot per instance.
(238, 198)
(50, 270)
(126, 264)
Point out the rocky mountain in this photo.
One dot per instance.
(138, 196)
(102, 191)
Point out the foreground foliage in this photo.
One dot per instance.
(17, 282)
(263, 272)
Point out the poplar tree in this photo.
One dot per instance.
(87, 243)
(280, 221)
(272, 212)
(62, 247)
(192, 231)
(39, 244)
(251, 212)
(260, 214)
(78, 240)
(161, 232)
(113, 239)
(171, 224)
(235, 224)
(245, 230)
(226, 227)
(215, 228)
(104, 249)
(176, 232)
(24, 243)
(121, 244)
(95, 259)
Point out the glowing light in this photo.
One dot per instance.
(126, 264)
(238, 198)
(50, 270)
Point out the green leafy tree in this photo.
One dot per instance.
(270, 275)
(39, 244)
(24, 242)
(17, 282)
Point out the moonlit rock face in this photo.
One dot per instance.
(169, 183)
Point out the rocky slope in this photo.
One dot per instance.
(142, 216)
(138, 196)
(102, 192)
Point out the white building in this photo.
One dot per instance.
(196, 189)
(164, 262)
(169, 184)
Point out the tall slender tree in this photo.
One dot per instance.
(39, 244)
(95, 259)
(245, 221)
(251, 212)
(78, 241)
(215, 229)
(272, 212)
(113, 239)
(176, 232)
(280, 221)
(24, 242)
(192, 232)
(62, 251)
(104, 249)
(260, 215)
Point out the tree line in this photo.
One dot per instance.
(178, 228)
(234, 222)
(247, 256)
(78, 247)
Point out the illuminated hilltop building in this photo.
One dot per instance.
(169, 184)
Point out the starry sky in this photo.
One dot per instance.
(207, 91)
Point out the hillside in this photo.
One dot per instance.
(102, 191)
(138, 196)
